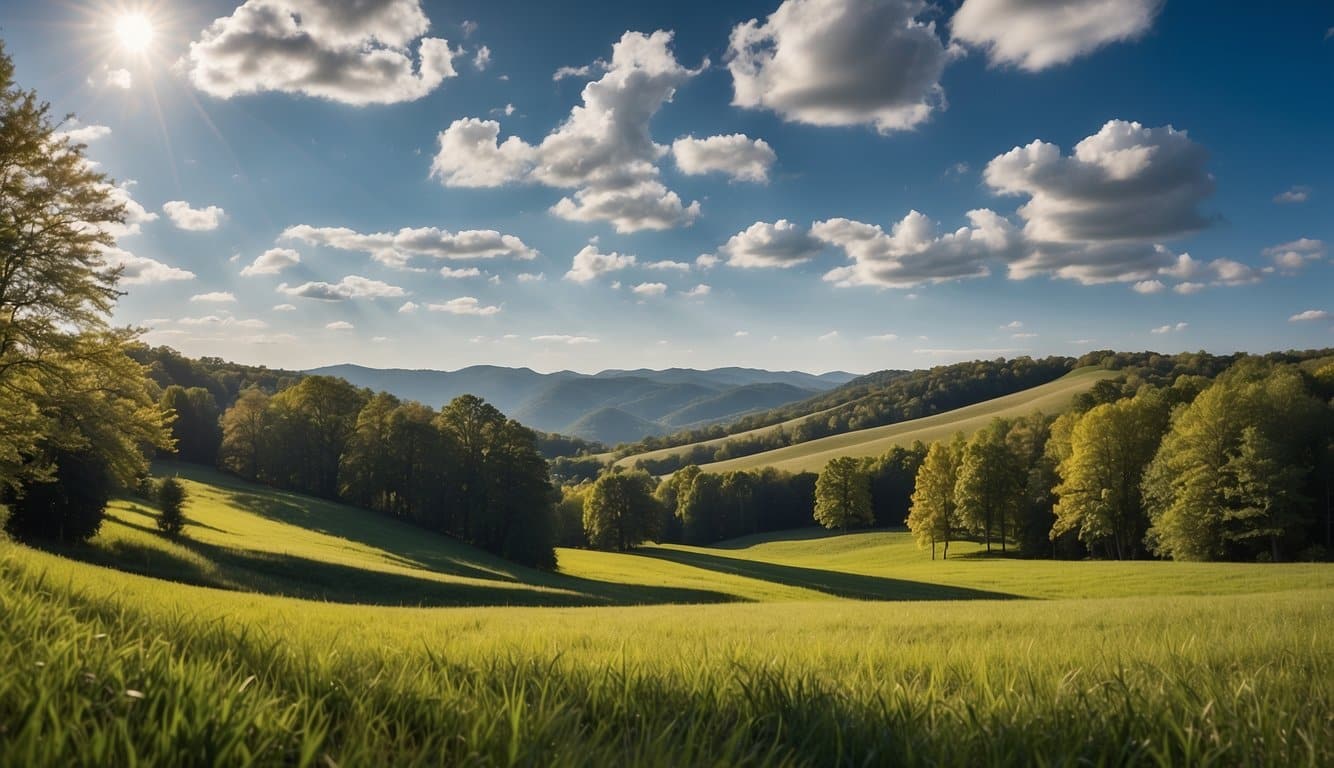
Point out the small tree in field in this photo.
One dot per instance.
(843, 495)
(171, 501)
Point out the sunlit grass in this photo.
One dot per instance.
(1215, 663)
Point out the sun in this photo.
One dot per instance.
(134, 32)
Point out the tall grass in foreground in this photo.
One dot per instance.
(97, 673)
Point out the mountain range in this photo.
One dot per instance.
(612, 406)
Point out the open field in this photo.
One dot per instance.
(1104, 663)
(812, 455)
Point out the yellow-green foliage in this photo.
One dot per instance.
(1198, 663)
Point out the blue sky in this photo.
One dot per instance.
(870, 185)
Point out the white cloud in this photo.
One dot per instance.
(1189, 288)
(585, 71)
(193, 219)
(1162, 329)
(284, 307)
(482, 59)
(351, 52)
(83, 134)
(464, 305)
(1295, 194)
(1310, 315)
(449, 273)
(589, 263)
(840, 62)
(398, 249)
(828, 337)
(1292, 256)
(141, 270)
(698, 291)
(340, 325)
(649, 289)
(271, 262)
(912, 253)
(706, 261)
(1013, 325)
(531, 277)
(1149, 286)
(107, 77)
(741, 334)
(350, 287)
(1023, 335)
(976, 352)
(1037, 35)
(215, 297)
(677, 266)
(379, 339)
(780, 244)
(1099, 214)
(884, 337)
(737, 155)
(135, 214)
(560, 338)
(603, 150)
(227, 321)
(408, 307)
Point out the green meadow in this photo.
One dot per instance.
(811, 456)
(284, 630)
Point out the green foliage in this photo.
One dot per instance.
(171, 499)
(1099, 496)
(68, 392)
(1230, 471)
(988, 490)
(195, 428)
(933, 516)
(843, 495)
(620, 511)
(68, 507)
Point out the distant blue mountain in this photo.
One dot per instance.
(611, 406)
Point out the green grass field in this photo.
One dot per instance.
(1053, 397)
(284, 630)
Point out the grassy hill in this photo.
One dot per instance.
(279, 639)
(812, 455)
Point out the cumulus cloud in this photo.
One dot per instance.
(340, 325)
(1098, 214)
(214, 297)
(141, 270)
(398, 249)
(356, 53)
(649, 289)
(271, 262)
(1149, 286)
(1295, 194)
(530, 277)
(1036, 35)
(667, 264)
(1292, 256)
(193, 219)
(83, 134)
(1310, 315)
(912, 253)
(135, 214)
(590, 263)
(780, 244)
(698, 291)
(560, 338)
(737, 155)
(106, 77)
(840, 62)
(884, 337)
(603, 150)
(284, 307)
(482, 59)
(350, 287)
(408, 307)
(1164, 329)
(449, 273)
(464, 305)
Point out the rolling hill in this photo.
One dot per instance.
(812, 455)
(650, 402)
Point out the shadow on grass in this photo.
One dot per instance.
(293, 576)
(849, 585)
